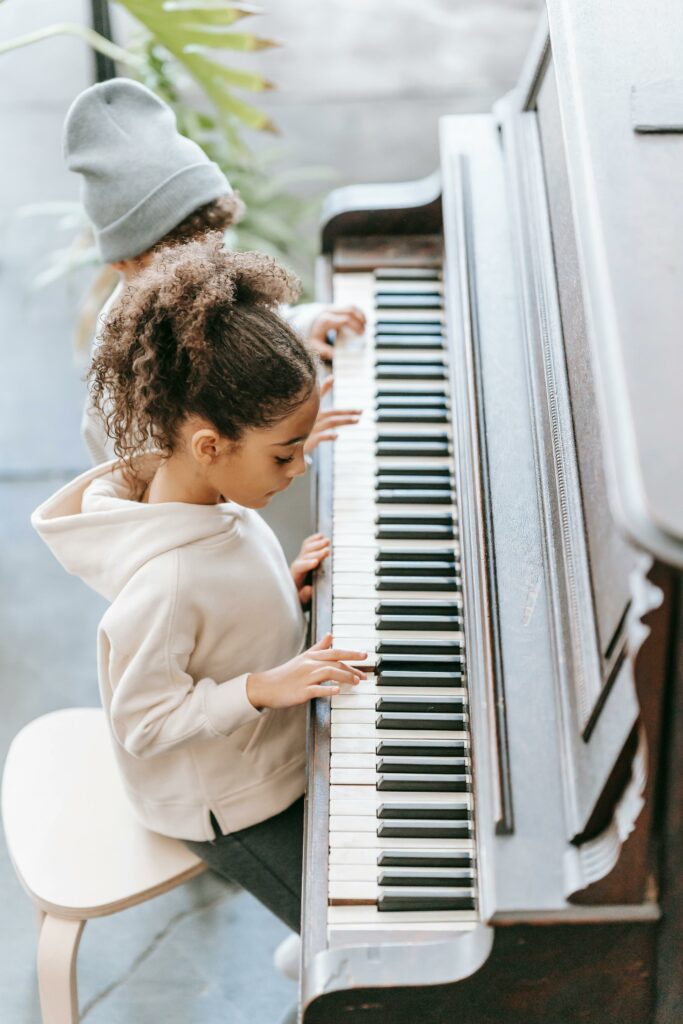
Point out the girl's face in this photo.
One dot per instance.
(264, 461)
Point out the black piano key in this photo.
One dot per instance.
(421, 647)
(420, 323)
(410, 393)
(410, 371)
(424, 829)
(397, 496)
(412, 567)
(406, 554)
(410, 782)
(385, 678)
(418, 482)
(454, 810)
(407, 531)
(407, 274)
(408, 300)
(406, 342)
(425, 858)
(425, 518)
(434, 415)
(441, 705)
(426, 899)
(419, 584)
(428, 875)
(426, 608)
(419, 662)
(422, 748)
(433, 436)
(424, 765)
(415, 720)
(426, 623)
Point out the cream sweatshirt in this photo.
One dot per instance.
(100, 446)
(201, 595)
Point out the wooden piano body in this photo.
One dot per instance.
(558, 221)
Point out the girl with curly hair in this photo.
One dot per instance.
(200, 659)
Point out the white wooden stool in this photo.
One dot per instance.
(75, 845)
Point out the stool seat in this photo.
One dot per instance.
(75, 843)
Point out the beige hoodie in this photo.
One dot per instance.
(201, 595)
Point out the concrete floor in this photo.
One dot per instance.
(361, 86)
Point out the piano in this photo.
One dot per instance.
(494, 815)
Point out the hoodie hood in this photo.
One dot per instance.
(98, 529)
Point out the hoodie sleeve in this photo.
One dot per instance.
(146, 641)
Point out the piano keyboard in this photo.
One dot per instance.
(401, 826)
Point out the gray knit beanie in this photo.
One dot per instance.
(140, 177)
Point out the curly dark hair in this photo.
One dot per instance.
(197, 332)
(217, 215)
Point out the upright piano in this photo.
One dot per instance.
(494, 815)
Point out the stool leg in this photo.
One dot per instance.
(57, 952)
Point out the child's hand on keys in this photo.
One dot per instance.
(314, 550)
(328, 421)
(303, 678)
(336, 318)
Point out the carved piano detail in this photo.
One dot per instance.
(491, 816)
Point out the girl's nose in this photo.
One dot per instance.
(298, 467)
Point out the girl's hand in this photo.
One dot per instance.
(314, 550)
(302, 678)
(327, 422)
(336, 318)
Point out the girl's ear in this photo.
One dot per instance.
(206, 445)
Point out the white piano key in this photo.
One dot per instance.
(356, 761)
(352, 892)
(432, 316)
(367, 692)
(369, 798)
(365, 607)
(347, 590)
(383, 931)
(346, 554)
(363, 730)
(362, 637)
(367, 700)
(408, 287)
(370, 915)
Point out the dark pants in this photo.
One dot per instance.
(265, 859)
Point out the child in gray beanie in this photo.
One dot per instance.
(144, 185)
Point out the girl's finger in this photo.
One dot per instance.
(326, 385)
(334, 654)
(321, 691)
(336, 673)
(328, 419)
(324, 350)
(323, 644)
(305, 595)
(313, 552)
